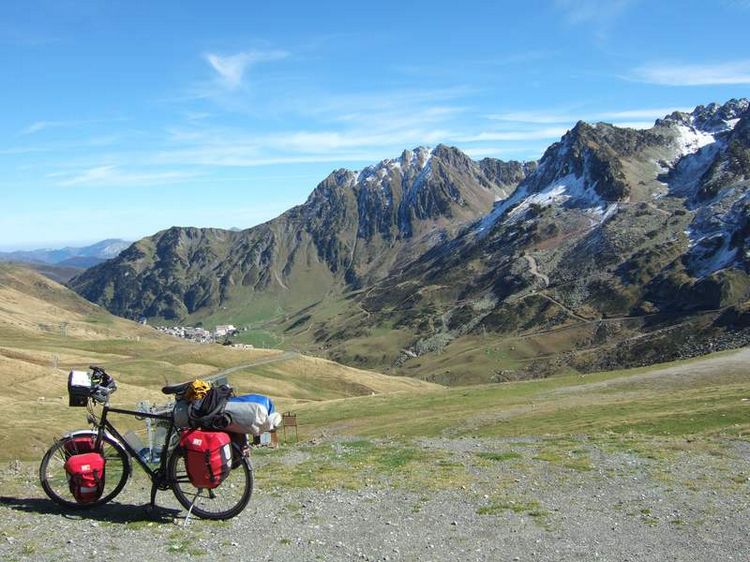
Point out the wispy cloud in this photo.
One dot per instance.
(741, 4)
(636, 118)
(592, 11)
(39, 126)
(509, 136)
(231, 69)
(664, 74)
(111, 175)
(44, 125)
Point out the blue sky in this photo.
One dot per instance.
(122, 118)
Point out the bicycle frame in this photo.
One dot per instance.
(157, 475)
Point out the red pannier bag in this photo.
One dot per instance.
(208, 456)
(86, 476)
(79, 445)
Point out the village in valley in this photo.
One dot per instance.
(220, 334)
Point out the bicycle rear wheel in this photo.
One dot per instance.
(54, 479)
(223, 502)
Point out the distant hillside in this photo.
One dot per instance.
(46, 329)
(80, 257)
(63, 264)
(621, 247)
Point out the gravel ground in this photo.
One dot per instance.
(536, 500)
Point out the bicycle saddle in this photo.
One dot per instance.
(178, 388)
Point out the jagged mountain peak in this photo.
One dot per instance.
(708, 146)
(593, 157)
(589, 155)
(421, 184)
(711, 118)
(410, 160)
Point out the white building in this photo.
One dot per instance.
(224, 330)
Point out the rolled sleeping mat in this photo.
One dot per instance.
(249, 417)
(258, 399)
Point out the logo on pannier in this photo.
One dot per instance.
(197, 442)
(85, 468)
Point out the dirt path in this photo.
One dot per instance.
(533, 267)
(681, 375)
(275, 359)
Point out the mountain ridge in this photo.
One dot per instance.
(354, 226)
(390, 266)
(71, 256)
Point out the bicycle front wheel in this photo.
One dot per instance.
(223, 502)
(55, 481)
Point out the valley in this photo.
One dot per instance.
(46, 330)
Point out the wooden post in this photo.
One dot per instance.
(288, 419)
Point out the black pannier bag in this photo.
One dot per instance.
(207, 412)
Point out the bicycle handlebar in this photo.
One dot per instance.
(103, 384)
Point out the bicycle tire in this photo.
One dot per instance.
(54, 479)
(223, 502)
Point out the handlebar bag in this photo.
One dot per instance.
(208, 457)
(79, 388)
(86, 476)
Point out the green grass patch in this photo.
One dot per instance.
(506, 456)
(354, 464)
(532, 508)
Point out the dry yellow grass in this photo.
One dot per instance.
(46, 330)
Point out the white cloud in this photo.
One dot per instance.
(733, 72)
(231, 68)
(635, 118)
(43, 125)
(503, 152)
(38, 126)
(645, 113)
(537, 134)
(536, 117)
(740, 4)
(105, 176)
(634, 124)
(599, 12)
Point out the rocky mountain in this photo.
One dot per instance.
(355, 228)
(621, 247)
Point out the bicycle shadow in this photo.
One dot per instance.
(119, 513)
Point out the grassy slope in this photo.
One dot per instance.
(700, 396)
(45, 330)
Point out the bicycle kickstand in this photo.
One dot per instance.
(154, 489)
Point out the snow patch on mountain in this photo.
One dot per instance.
(567, 191)
(690, 140)
(700, 138)
(686, 175)
(711, 233)
(410, 160)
